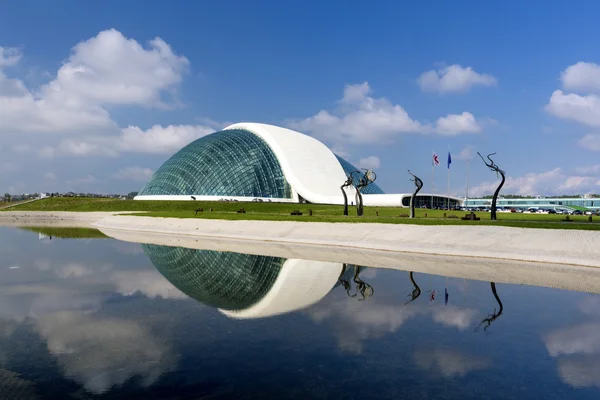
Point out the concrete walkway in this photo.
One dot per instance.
(576, 247)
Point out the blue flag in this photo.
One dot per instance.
(449, 160)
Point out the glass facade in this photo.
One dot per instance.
(424, 201)
(228, 163)
(348, 168)
(537, 202)
(229, 281)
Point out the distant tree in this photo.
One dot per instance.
(131, 195)
(7, 197)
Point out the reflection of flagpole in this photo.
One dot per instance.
(446, 293)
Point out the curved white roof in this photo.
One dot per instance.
(312, 170)
(300, 283)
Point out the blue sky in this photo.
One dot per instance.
(95, 96)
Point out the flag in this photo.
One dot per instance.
(435, 159)
(449, 160)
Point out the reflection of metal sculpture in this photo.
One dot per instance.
(492, 317)
(368, 177)
(416, 291)
(343, 187)
(344, 282)
(362, 287)
(491, 165)
(419, 185)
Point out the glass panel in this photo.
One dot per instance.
(348, 168)
(235, 162)
(231, 281)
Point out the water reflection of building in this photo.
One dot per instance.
(246, 285)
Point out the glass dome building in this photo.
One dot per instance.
(249, 161)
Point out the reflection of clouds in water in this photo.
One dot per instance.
(578, 348)
(355, 321)
(459, 318)
(103, 352)
(150, 283)
(590, 305)
(99, 352)
(582, 339)
(127, 248)
(448, 362)
(580, 371)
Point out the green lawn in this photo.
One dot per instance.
(321, 213)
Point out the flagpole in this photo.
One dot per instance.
(448, 162)
(432, 177)
(432, 182)
(467, 189)
(448, 195)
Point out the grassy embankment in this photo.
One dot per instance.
(321, 213)
(67, 233)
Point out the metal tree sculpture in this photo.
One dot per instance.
(419, 185)
(492, 317)
(416, 291)
(368, 177)
(343, 187)
(492, 165)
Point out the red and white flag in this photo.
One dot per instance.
(435, 159)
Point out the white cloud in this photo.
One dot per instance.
(465, 154)
(9, 167)
(21, 148)
(156, 140)
(83, 149)
(592, 169)
(160, 139)
(105, 71)
(361, 118)
(453, 78)
(9, 56)
(448, 362)
(136, 174)
(583, 77)
(553, 182)
(456, 124)
(590, 141)
(86, 180)
(49, 177)
(582, 109)
(371, 162)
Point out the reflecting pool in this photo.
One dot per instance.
(94, 317)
